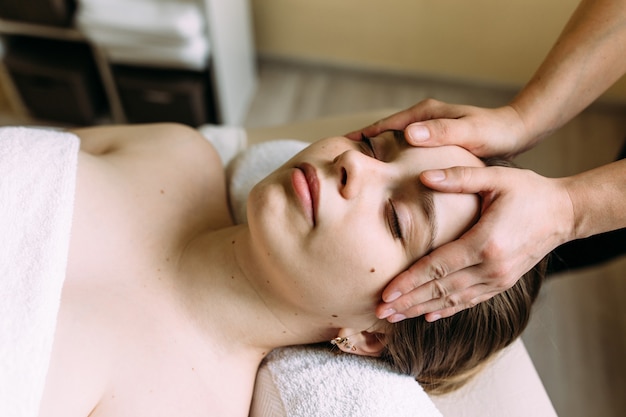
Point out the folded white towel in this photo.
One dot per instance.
(147, 32)
(192, 55)
(178, 19)
(37, 182)
(312, 381)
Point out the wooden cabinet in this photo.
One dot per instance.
(230, 71)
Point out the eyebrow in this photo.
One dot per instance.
(428, 203)
(398, 135)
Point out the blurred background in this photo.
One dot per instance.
(256, 63)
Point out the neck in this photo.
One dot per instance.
(227, 288)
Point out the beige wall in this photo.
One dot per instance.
(493, 41)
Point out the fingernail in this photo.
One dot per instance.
(396, 318)
(387, 313)
(418, 133)
(434, 317)
(436, 175)
(392, 297)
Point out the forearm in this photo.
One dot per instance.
(598, 199)
(588, 57)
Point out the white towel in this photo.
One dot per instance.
(146, 32)
(312, 381)
(171, 18)
(37, 182)
(228, 141)
(192, 55)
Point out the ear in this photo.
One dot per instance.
(365, 343)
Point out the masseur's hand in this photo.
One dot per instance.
(524, 217)
(484, 132)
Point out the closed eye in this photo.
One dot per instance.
(392, 219)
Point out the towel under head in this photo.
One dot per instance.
(313, 381)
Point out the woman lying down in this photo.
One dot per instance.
(168, 308)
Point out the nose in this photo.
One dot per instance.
(356, 171)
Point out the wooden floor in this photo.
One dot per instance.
(577, 337)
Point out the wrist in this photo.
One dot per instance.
(531, 127)
(570, 210)
(517, 128)
(598, 198)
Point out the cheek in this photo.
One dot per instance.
(357, 252)
(348, 280)
(277, 230)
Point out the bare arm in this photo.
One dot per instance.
(588, 57)
(598, 199)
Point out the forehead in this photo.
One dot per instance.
(423, 158)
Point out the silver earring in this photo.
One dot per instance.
(343, 342)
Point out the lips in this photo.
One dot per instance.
(306, 186)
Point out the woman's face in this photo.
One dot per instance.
(340, 219)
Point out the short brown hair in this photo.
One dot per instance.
(444, 355)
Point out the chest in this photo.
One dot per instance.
(180, 387)
(121, 352)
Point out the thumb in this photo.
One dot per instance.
(437, 132)
(462, 179)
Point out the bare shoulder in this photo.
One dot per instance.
(148, 142)
(102, 140)
(159, 180)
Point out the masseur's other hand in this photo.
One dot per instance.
(484, 132)
(524, 216)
